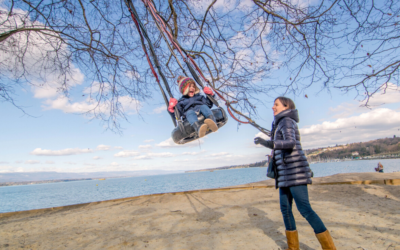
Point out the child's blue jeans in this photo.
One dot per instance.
(191, 115)
(300, 196)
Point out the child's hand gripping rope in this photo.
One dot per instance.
(208, 91)
(172, 104)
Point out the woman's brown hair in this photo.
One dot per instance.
(287, 102)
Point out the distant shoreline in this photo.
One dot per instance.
(326, 161)
(215, 169)
(19, 183)
(251, 165)
(383, 157)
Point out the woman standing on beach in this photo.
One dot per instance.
(292, 173)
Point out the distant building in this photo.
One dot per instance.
(355, 153)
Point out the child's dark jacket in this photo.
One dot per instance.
(187, 103)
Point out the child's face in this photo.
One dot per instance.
(192, 89)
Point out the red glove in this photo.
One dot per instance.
(172, 104)
(208, 91)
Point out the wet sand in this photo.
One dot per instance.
(359, 216)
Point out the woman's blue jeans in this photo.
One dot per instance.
(300, 196)
(191, 115)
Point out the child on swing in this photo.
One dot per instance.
(192, 103)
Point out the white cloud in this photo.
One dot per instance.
(82, 168)
(219, 154)
(96, 87)
(194, 153)
(64, 104)
(41, 66)
(52, 87)
(42, 56)
(169, 143)
(3, 162)
(377, 123)
(346, 109)
(127, 153)
(129, 105)
(384, 96)
(102, 147)
(68, 151)
(89, 164)
(18, 162)
(10, 169)
(162, 155)
(389, 95)
(148, 146)
(148, 141)
(32, 162)
(70, 163)
(118, 147)
(50, 162)
(114, 166)
(220, 160)
(91, 106)
(97, 158)
(155, 155)
(160, 109)
(143, 157)
(132, 74)
(184, 160)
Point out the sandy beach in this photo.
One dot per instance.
(361, 210)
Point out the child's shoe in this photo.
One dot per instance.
(200, 129)
(212, 124)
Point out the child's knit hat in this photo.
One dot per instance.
(184, 83)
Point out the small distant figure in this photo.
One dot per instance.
(379, 168)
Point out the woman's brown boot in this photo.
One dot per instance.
(326, 241)
(292, 240)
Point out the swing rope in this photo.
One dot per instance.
(162, 27)
(143, 32)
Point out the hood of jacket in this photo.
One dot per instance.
(291, 113)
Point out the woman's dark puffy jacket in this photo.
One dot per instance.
(291, 163)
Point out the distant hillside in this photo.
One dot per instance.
(251, 165)
(356, 150)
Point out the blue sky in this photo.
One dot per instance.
(56, 136)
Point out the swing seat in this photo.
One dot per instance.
(185, 133)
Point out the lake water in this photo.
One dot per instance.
(26, 197)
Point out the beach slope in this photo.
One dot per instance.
(359, 216)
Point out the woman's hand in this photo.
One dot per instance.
(172, 104)
(268, 144)
(208, 91)
(258, 140)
